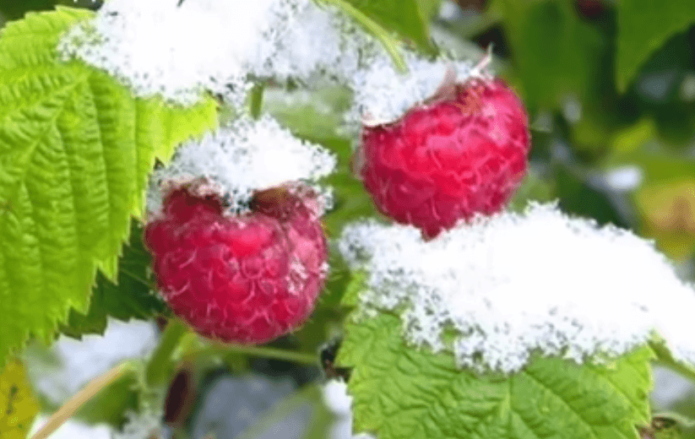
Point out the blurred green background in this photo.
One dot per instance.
(610, 88)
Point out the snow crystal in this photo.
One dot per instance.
(382, 94)
(248, 155)
(515, 283)
(159, 47)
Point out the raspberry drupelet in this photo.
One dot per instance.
(244, 279)
(462, 153)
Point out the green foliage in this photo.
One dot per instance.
(405, 17)
(12, 9)
(556, 54)
(113, 402)
(76, 149)
(643, 27)
(403, 392)
(130, 297)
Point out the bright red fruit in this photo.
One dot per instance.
(461, 154)
(242, 279)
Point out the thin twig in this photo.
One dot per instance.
(79, 399)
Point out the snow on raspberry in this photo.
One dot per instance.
(382, 94)
(513, 284)
(246, 156)
(179, 51)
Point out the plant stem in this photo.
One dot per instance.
(158, 366)
(384, 37)
(80, 398)
(256, 105)
(256, 351)
(665, 359)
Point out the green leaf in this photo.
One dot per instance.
(75, 153)
(429, 8)
(371, 25)
(112, 404)
(131, 297)
(403, 392)
(556, 54)
(12, 9)
(404, 17)
(643, 27)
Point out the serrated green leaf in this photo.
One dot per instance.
(75, 152)
(353, 289)
(403, 392)
(643, 27)
(131, 297)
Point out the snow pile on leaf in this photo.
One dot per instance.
(248, 155)
(179, 49)
(509, 285)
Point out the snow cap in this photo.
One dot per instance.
(179, 49)
(246, 156)
(382, 94)
(514, 283)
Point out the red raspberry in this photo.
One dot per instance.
(463, 153)
(244, 279)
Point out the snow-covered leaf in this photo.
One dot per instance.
(400, 392)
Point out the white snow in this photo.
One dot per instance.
(337, 399)
(158, 47)
(382, 94)
(248, 155)
(516, 283)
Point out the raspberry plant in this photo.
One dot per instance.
(347, 185)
